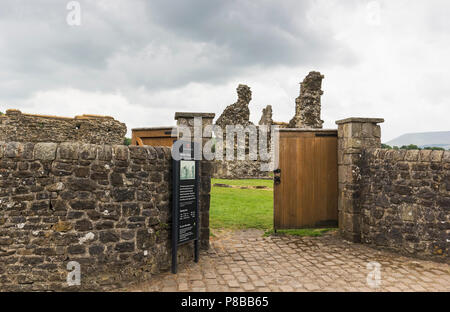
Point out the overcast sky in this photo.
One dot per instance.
(140, 61)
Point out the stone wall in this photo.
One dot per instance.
(354, 136)
(405, 200)
(107, 207)
(18, 127)
(396, 199)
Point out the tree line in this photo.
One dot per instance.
(412, 147)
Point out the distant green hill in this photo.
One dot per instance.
(424, 139)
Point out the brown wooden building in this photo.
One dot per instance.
(154, 136)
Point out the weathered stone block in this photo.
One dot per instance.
(81, 184)
(28, 149)
(116, 179)
(446, 157)
(130, 209)
(436, 156)
(123, 194)
(62, 226)
(83, 204)
(83, 225)
(104, 152)
(88, 151)
(424, 155)
(138, 152)
(76, 249)
(45, 151)
(399, 155)
(103, 225)
(75, 214)
(377, 131)
(367, 130)
(56, 187)
(82, 172)
(96, 250)
(125, 247)
(68, 150)
(13, 150)
(412, 155)
(121, 152)
(108, 236)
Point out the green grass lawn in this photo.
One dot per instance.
(241, 209)
(244, 182)
(234, 208)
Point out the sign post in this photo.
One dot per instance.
(185, 200)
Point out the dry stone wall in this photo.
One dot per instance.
(405, 200)
(394, 199)
(18, 127)
(108, 207)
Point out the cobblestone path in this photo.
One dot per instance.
(247, 261)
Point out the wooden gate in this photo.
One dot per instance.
(306, 182)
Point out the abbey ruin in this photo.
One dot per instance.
(307, 116)
(70, 190)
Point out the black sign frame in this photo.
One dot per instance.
(192, 204)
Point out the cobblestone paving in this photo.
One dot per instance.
(247, 261)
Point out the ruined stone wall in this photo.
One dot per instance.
(308, 105)
(107, 207)
(405, 200)
(239, 114)
(266, 116)
(239, 169)
(18, 127)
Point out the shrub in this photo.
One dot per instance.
(434, 148)
(410, 147)
(126, 141)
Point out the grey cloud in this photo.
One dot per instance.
(254, 32)
(152, 44)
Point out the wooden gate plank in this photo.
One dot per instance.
(307, 194)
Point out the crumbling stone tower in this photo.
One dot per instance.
(237, 113)
(307, 105)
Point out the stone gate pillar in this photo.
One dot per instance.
(354, 135)
(187, 119)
